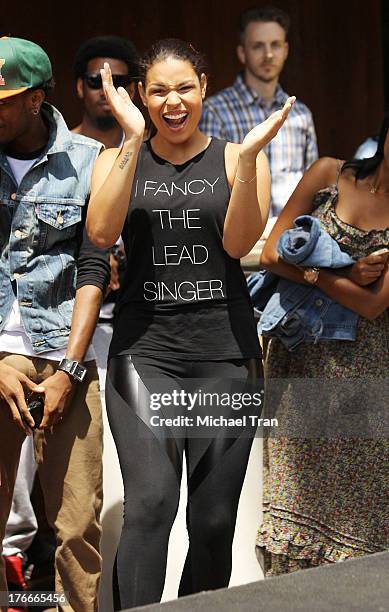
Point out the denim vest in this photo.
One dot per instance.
(294, 312)
(39, 233)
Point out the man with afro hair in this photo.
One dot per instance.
(97, 121)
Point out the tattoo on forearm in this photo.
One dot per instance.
(125, 160)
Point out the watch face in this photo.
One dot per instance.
(79, 372)
(311, 275)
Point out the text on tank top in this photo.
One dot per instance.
(177, 265)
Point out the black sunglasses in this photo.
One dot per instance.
(119, 80)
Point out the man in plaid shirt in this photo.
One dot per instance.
(255, 94)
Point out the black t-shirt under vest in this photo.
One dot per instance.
(183, 295)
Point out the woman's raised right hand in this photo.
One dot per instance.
(262, 133)
(125, 112)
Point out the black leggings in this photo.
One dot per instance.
(151, 464)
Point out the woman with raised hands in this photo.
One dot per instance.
(188, 208)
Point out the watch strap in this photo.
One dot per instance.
(75, 369)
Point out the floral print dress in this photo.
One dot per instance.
(327, 499)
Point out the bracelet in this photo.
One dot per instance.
(250, 181)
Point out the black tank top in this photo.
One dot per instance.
(183, 295)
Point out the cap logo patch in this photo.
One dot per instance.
(2, 79)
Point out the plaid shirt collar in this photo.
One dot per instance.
(249, 96)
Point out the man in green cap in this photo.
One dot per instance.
(51, 284)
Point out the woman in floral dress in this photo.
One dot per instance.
(326, 498)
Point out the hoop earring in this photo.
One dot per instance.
(35, 110)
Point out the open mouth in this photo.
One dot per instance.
(175, 121)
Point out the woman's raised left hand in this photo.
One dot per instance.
(125, 112)
(259, 136)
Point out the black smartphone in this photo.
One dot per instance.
(35, 406)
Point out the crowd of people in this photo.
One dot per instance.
(120, 244)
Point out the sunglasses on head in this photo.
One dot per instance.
(119, 80)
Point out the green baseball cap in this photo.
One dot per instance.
(23, 65)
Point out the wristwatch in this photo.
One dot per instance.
(311, 275)
(75, 369)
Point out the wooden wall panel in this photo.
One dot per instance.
(335, 64)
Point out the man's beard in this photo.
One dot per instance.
(106, 123)
(264, 78)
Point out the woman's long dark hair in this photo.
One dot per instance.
(362, 168)
(171, 47)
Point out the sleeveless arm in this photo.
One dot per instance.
(368, 302)
(115, 168)
(320, 175)
(112, 180)
(248, 208)
(248, 171)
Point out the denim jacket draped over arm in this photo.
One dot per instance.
(294, 312)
